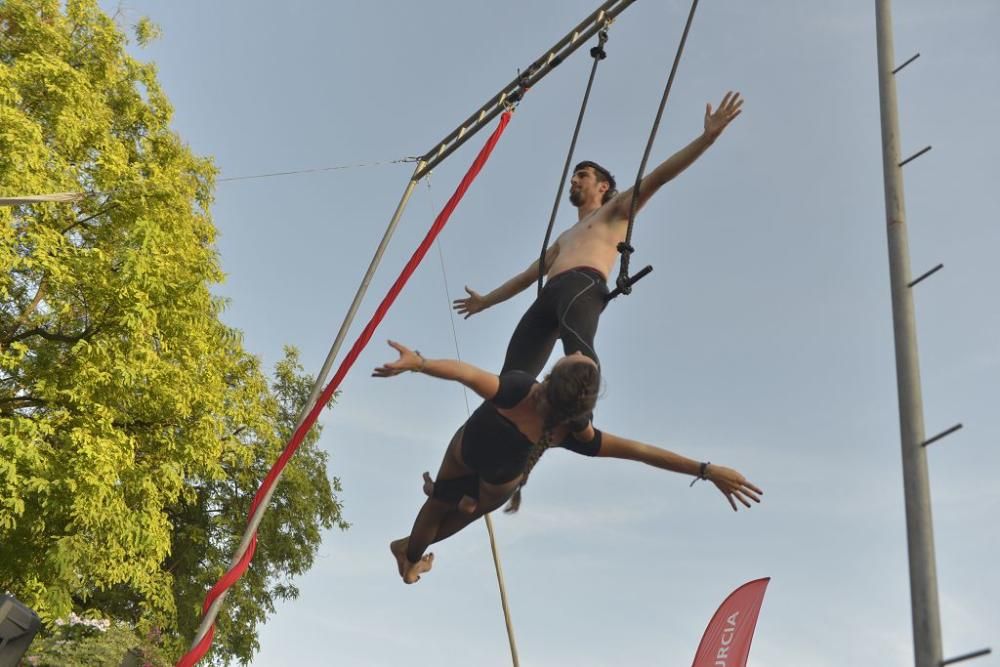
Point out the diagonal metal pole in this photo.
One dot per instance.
(916, 487)
(531, 75)
(209, 617)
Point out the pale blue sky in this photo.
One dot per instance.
(762, 340)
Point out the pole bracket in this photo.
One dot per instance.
(914, 156)
(967, 656)
(940, 435)
(912, 58)
(925, 275)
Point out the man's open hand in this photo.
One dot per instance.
(470, 305)
(729, 109)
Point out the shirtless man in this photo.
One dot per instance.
(577, 265)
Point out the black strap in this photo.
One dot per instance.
(624, 282)
(598, 55)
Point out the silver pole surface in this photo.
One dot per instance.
(916, 488)
(213, 611)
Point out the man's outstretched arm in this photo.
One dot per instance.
(476, 302)
(715, 123)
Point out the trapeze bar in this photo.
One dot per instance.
(906, 63)
(967, 656)
(926, 275)
(632, 280)
(513, 91)
(941, 435)
(914, 156)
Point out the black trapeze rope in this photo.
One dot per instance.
(598, 54)
(625, 282)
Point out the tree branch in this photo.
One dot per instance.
(10, 405)
(34, 304)
(29, 309)
(23, 399)
(86, 334)
(84, 221)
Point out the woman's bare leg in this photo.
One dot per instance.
(491, 497)
(412, 564)
(409, 551)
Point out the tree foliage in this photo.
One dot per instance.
(134, 427)
(77, 641)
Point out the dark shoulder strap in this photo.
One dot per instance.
(589, 448)
(514, 386)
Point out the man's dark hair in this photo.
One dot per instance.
(603, 175)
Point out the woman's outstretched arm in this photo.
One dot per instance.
(730, 482)
(483, 383)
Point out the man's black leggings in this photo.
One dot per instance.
(569, 308)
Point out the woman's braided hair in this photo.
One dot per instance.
(570, 394)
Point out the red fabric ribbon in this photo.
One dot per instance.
(232, 576)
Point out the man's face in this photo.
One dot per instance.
(585, 188)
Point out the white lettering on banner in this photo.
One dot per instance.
(727, 638)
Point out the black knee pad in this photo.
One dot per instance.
(452, 490)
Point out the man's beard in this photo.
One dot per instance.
(575, 198)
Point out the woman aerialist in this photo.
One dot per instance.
(492, 454)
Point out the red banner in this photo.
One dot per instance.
(726, 642)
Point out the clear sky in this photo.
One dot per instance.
(762, 340)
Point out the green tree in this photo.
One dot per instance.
(133, 424)
(94, 643)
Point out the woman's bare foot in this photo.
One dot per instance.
(398, 549)
(414, 570)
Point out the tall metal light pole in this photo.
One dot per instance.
(919, 532)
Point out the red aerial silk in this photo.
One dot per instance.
(726, 642)
(230, 577)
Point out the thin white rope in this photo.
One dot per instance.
(21, 200)
(318, 169)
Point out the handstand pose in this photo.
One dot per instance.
(577, 265)
(490, 457)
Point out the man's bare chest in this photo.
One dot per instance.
(587, 232)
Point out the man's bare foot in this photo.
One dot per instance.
(398, 549)
(428, 485)
(414, 570)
